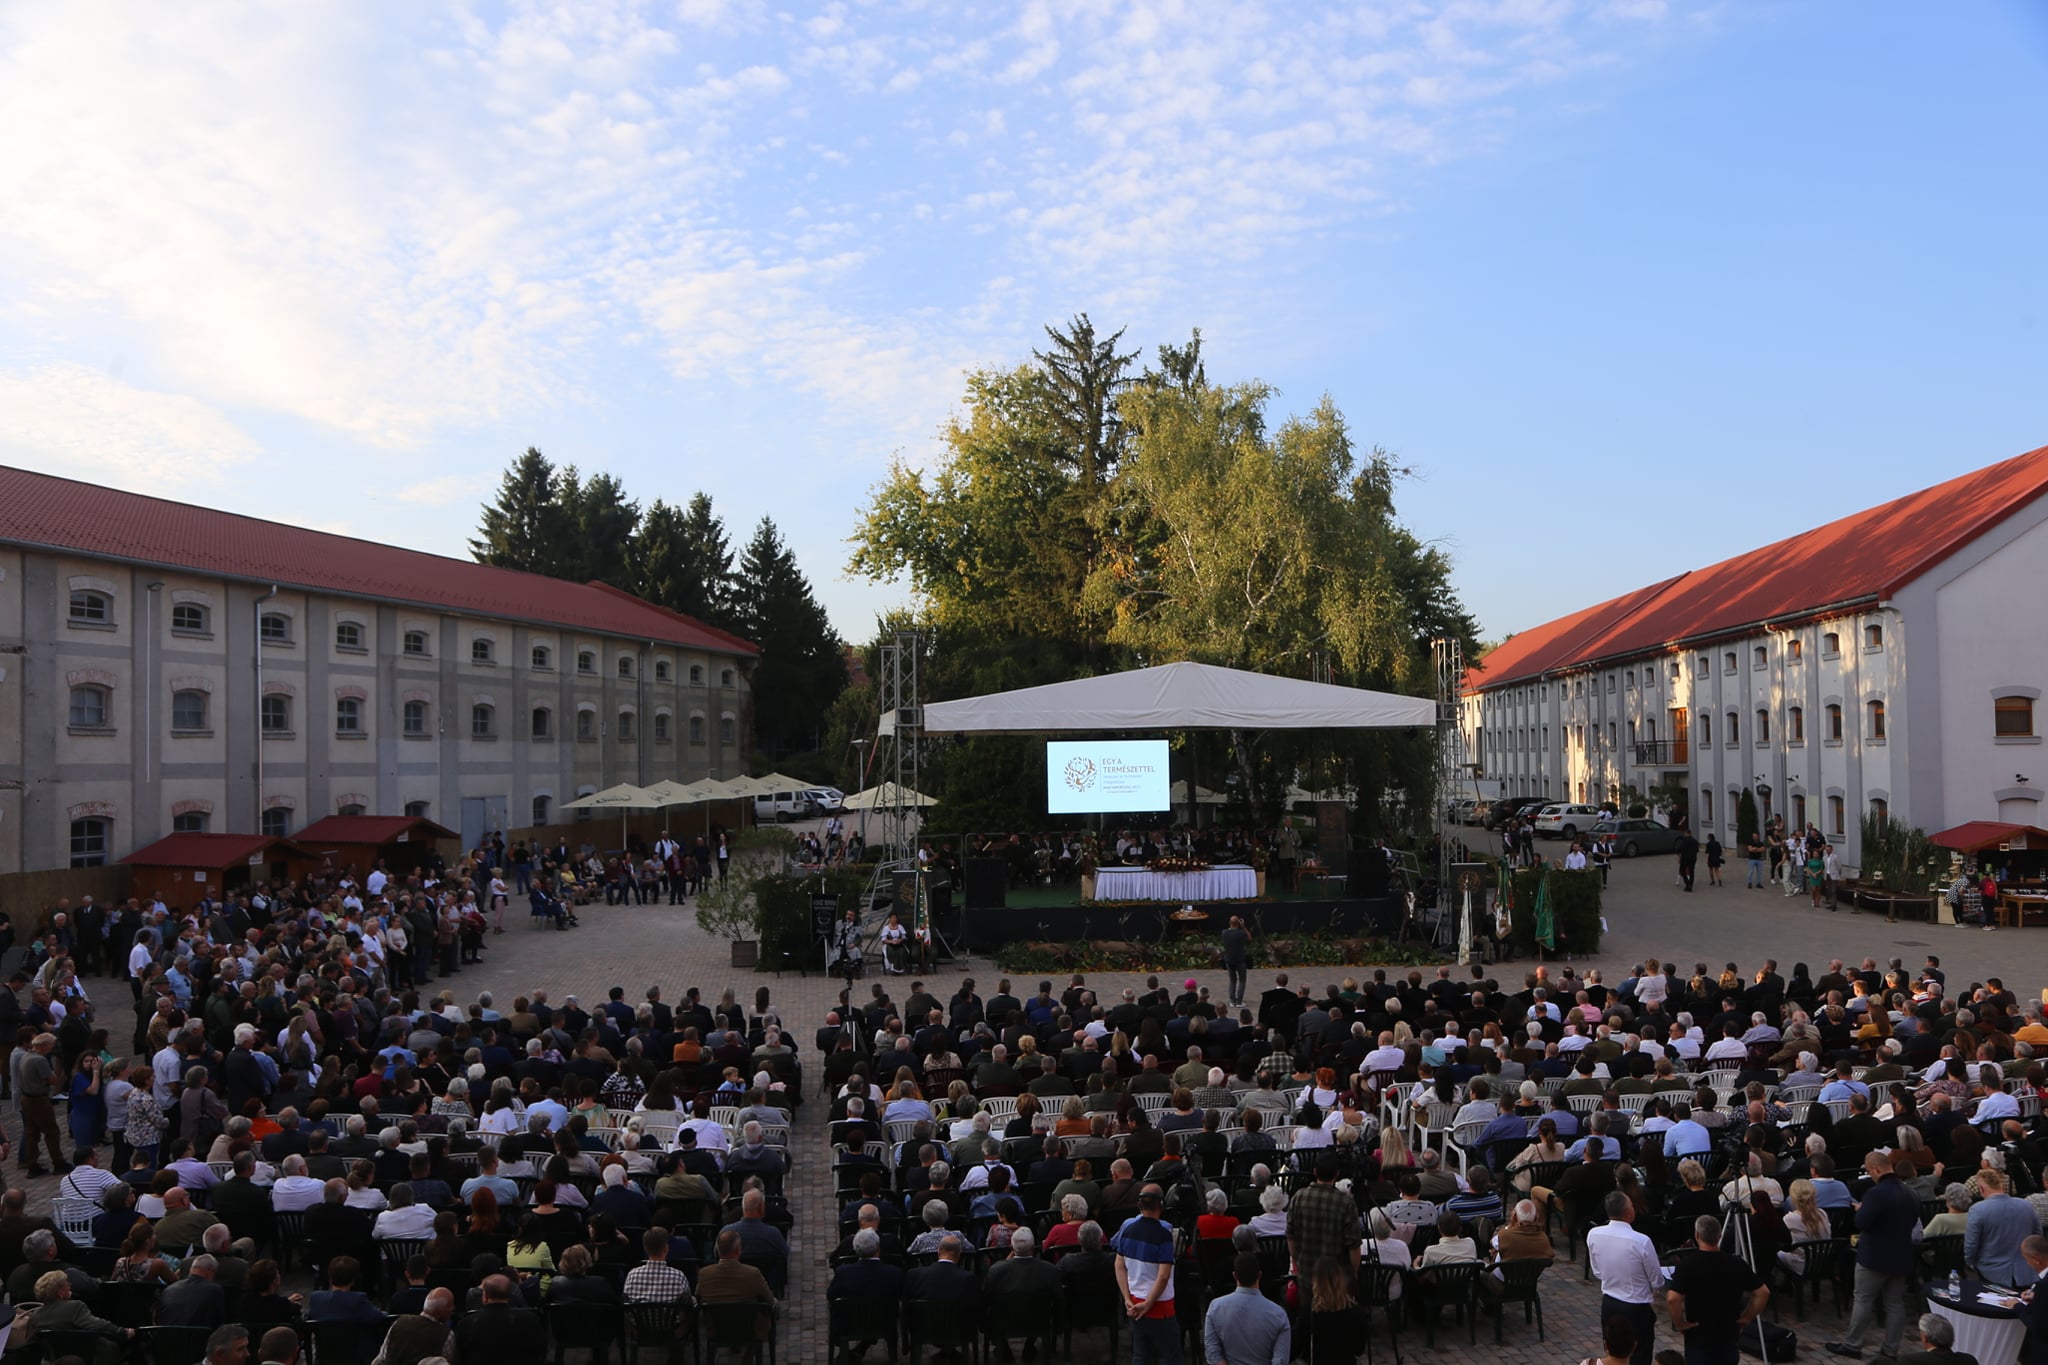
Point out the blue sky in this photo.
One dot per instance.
(1633, 284)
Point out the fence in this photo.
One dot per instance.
(25, 895)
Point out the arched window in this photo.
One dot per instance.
(625, 726)
(277, 714)
(482, 651)
(348, 635)
(275, 627)
(625, 665)
(1734, 736)
(1760, 657)
(1837, 814)
(696, 675)
(88, 708)
(89, 840)
(277, 821)
(348, 716)
(1875, 711)
(2012, 716)
(725, 678)
(1873, 636)
(1763, 725)
(92, 609)
(416, 810)
(415, 718)
(1707, 805)
(661, 670)
(725, 730)
(1795, 725)
(481, 718)
(543, 657)
(1728, 662)
(540, 810)
(189, 822)
(1831, 643)
(543, 723)
(696, 729)
(1834, 734)
(188, 618)
(661, 730)
(1880, 813)
(352, 808)
(586, 662)
(188, 710)
(416, 643)
(586, 725)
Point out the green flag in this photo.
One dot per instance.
(1546, 926)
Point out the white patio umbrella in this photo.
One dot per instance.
(622, 798)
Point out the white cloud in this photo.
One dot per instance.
(446, 491)
(83, 423)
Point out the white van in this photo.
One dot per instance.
(783, 806)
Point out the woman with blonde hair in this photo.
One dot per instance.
(1805, 1222)
(1546, 1148)
(1393, 1156)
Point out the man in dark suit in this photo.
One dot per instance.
(866, 1278)
(288, 1140)
(1021, 1277)
(243, 1204)
(334, 1229)
(2034, 1306)
(341, 1301)
(1937, 1344)
(1089, 1269)
(944, 1280)
(195, 1301)
(499, 1332)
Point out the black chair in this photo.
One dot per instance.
(1096, 1302)
(1213, 1258)
(1276, 1268)
(396, 1251)
(942, 1327)
(1942, 1254)
(288, 1235)
(1038, 1319)
(594, 1327)
(1376, 1289)
(344, 1342)
(774, 1269)
(736, 1327)
(84, 1345)
(1455, 1284)
(659, 1326)
(1518, 1285)
(849, 1320)
(1824, 1262)
(171, 1345)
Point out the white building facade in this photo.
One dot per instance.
(1908, 687)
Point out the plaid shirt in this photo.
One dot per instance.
(1323, 1221)
(656, 1282)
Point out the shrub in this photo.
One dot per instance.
(1574, 910)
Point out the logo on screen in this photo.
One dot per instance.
(1080, 774)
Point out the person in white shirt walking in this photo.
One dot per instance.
(1625, 1263)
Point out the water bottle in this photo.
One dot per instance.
(1955, 1285)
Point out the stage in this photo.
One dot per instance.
(986, 927)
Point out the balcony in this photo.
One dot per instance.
(1661, 753)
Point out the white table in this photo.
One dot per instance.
(1991, 1334)
(1223, 882)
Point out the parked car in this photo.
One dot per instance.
(1633, 838)
(1565, 820)
(1510, 807)
(827, 799)
(783, 806)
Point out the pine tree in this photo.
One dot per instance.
(601, 520)
(705, 588)
(522, 528)
(802, 669)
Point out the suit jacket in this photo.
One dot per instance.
(942, 1282)
(245, 1207)
(732, 1282)
(500, 1333)
(1021, 1275)
(192, 1302)
(866, 1278)
(338, 1230)
(70, 1315)
(1938, 1356)
(413, 1338)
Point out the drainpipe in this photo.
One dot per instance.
(261, 602)
(148, 643)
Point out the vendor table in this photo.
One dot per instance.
(1223, 882)
(2014, 905)
(1990, 1333)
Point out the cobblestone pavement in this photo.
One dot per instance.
(639, 946)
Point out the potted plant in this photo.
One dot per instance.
(726, 909)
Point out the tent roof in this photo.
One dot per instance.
(213, 852)
(370, 829)
(1977, 835)
(1181, 696)
(884, 797)
(624, 796)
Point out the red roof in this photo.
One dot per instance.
(1978, 835)
(212, 851)
(370, 829)
(1864, 557)
(63, 514)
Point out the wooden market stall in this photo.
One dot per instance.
(180, 869)
(356, 843)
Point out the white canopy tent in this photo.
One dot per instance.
(888, 795)
(1178, 697)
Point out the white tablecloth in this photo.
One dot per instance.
(1225, 881)
(1993, 1340)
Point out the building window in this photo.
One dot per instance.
(1706, 727)
(1734, 729)
(1873, 636)
(1834, 735)
(625, 727)
(1610, 682)
(416, 810)
(88, 708)
(482, 651)
(1880, 813)
(1674, 670)
(348, 716)
(625, 666)
(1830, 644)
(188, 710)
(1707, 805)
(275, 628)
(661, 731)
(1875, 711)
(725, 678)
(543, 658)
(89, 839)
(91, 609)
(416, 643)
(661, 670)
(725, 730)
(1795, 725)
(1700, 667)
(1728, 662)
(1838, 813)
(277, 714)
(586, 725)
(189, 822)
(2012, 716)
(543, 722)
(696, 675)
(583, 812)
(348, 635)
(1760, 657)
(277, 821)
(1763, 726)
(188, 618)
(1799, 812)
(1795, 650)
(352, 808)
(586, 662)
(540, 810)
(481, 717)
(696, 729)
(415, 718)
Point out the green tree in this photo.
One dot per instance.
(705, 587)
(801, 669)
(1081, 376)
(659, 555)
(523, 527)
(1745, 817)
(602, 520)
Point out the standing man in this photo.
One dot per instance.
(1688, 866)
(1245, 1327)
(1237, 957)
(1625, 1263)
(1713, 1297)
(1286, 849)
(38, 1116)
(1144, 1273)
(1754, 851)
(1885, 1259)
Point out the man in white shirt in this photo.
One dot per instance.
(1727, 1048)
(1480, 1108)
(1625, 1263)
(1995, 1105)
(404, 1220)
(1385, 1057)
(1685, 1137)
(551, 1109)
(169, 1066)
(295, 1191)
(376, 882)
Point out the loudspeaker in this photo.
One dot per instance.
(988, 882)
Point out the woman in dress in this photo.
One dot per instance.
(145, 1116)
(894, 937)
(88, 1116)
